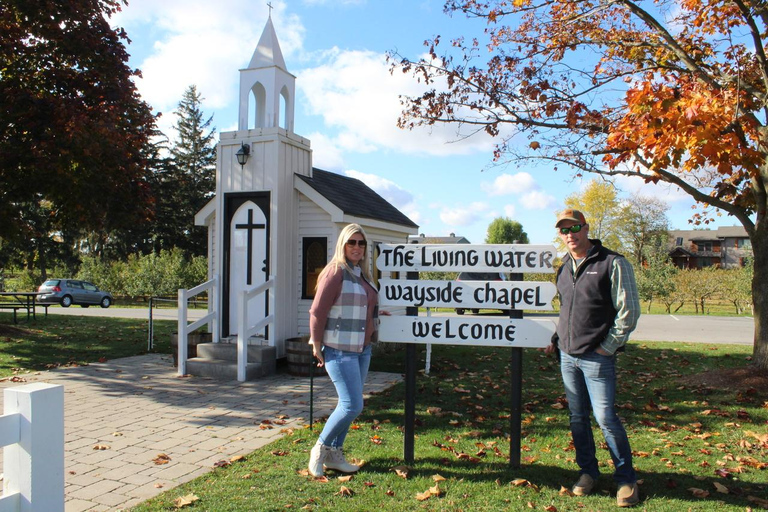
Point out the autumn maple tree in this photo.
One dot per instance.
(665, 90)
(74, 133)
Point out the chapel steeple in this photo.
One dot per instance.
(266, 82)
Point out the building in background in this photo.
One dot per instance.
(725, 247)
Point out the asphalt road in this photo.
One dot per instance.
(699, 329)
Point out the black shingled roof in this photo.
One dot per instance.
(354, 197)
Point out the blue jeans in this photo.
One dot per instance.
(347, 370)
(590, 384)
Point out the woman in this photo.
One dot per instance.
(343, 323)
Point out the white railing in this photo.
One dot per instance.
(243, 331)
(212, 318)
(32, 434)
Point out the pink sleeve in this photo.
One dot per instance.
(328, 291)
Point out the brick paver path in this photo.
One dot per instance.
(139, 408)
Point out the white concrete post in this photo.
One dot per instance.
(182, 332)
(34, 467)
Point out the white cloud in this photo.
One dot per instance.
(464, 216)
(537, 200)
(399, 197)
(326, 154)
(506, 184)
(510, 211)
(355, 94)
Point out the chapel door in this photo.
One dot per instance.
(248, 249)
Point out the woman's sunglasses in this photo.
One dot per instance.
(573, 229)
(359, 243)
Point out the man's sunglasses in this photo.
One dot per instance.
(359, 243)
(573, 229)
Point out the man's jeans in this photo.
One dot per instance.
(347, 371)
(590, 383)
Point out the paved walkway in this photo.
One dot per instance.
(139, 408)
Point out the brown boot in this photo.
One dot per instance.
(628, 495)
(584, 486)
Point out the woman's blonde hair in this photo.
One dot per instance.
(339, 259)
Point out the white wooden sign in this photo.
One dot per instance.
(471, 331)
(467, 294)
(466, 258)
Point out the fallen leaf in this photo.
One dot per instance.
(345, 491)
(699, 493)
(551, 508)
(280, 453)
(565, 491)
(438, 478)
(401, 471)
(345, 478)
(158, 486)
(758, 501)
(183, 501)
(161, 459)
(101, 447)
(221, 464)
(390, 492)
(519, 482)
(721, 488)
(236, 458)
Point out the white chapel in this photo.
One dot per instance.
(275, 217)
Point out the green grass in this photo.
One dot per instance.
(58, 340)
(681, 436)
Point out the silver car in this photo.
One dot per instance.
(72, 291)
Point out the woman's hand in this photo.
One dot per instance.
(317, 351)
(384, 312)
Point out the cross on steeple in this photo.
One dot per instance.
(269, 4)
(250, 226)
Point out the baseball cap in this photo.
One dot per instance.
(570, 214)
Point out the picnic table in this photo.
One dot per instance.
(21, 300)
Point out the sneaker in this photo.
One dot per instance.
(335, 460)
(584, 486)
(317, 456)
(627, 495)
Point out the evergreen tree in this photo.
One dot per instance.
(187, 180)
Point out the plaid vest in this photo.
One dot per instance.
(345, 328)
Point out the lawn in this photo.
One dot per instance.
(58, 340)
(696, 447)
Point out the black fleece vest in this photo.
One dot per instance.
(586, 306)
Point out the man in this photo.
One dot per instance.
(599, 308)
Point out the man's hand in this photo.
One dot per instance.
(549, 349)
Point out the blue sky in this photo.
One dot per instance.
(348, 104)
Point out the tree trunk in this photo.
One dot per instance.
(760, 293)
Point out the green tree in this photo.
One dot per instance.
(660, 91)
(656, 280)
(187, 181)
(503, 230)
(72, 125)
(643, 228)
(600, 205)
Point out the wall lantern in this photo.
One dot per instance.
(243, 153)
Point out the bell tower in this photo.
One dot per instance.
(267, 83)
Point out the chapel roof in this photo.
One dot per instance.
(354, 197)
(268, 51)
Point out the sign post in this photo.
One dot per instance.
(514, 295)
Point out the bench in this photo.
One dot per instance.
(21, 300)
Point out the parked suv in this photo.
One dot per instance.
(478, 276)
(72, 291)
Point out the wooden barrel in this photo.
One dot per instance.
(299, 354)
